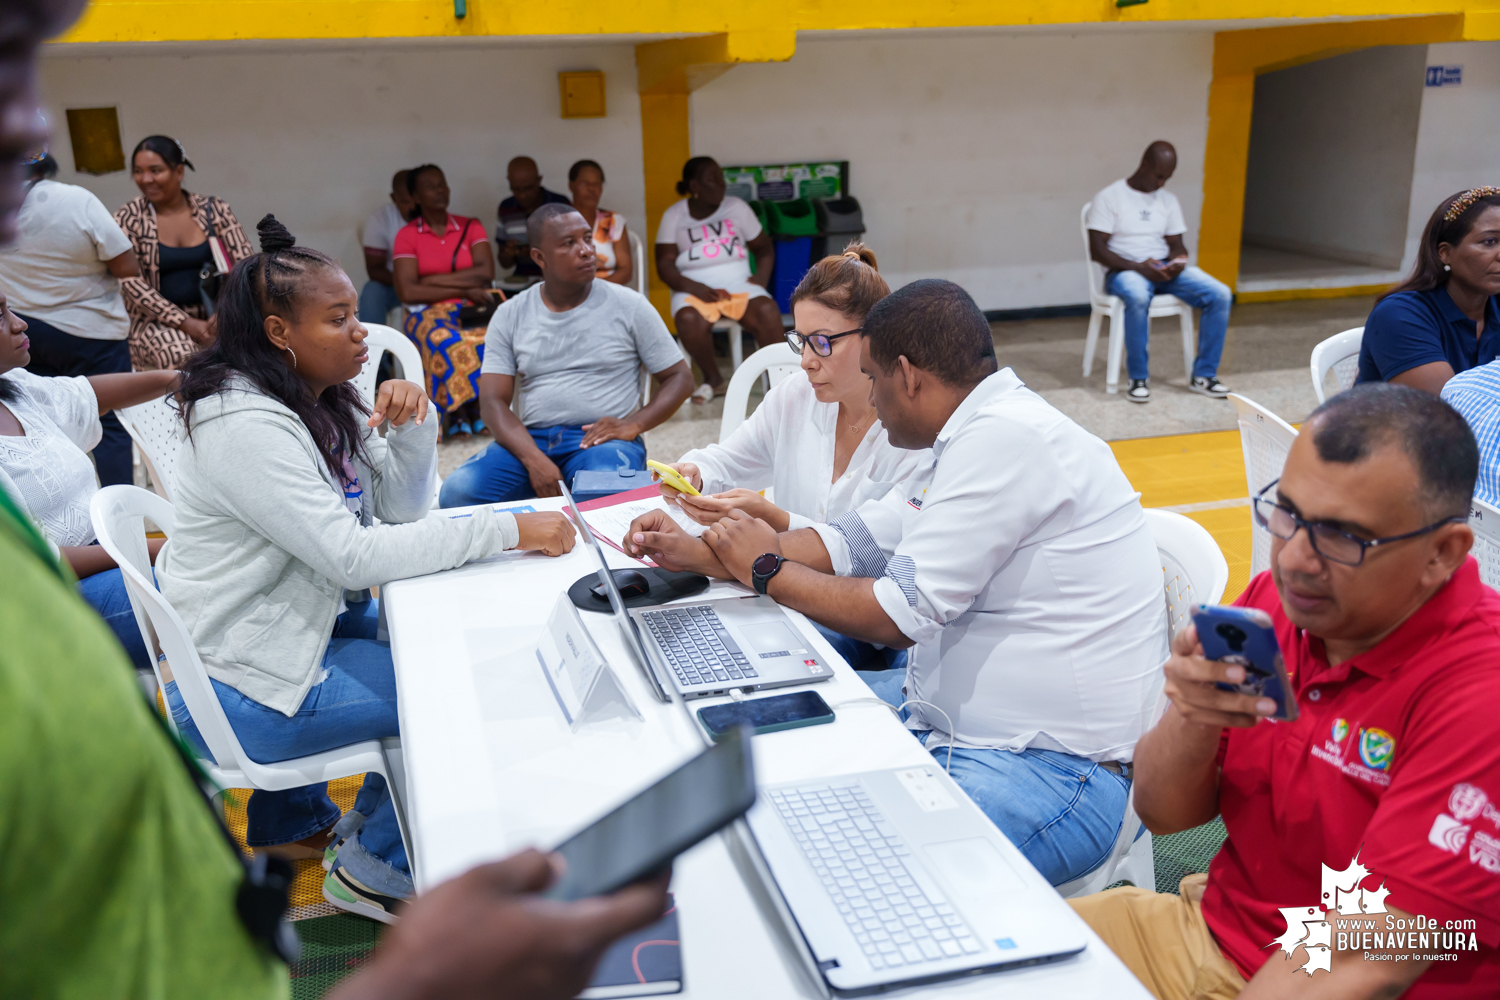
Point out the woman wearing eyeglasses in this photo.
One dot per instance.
(815, 441)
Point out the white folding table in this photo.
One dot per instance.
(492, 767)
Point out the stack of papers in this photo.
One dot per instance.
(610, 524)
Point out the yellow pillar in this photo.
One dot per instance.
(666, 73)
(1240, 56)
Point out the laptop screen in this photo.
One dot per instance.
(632, 639)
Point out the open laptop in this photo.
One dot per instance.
(710, 647)
(895, 878)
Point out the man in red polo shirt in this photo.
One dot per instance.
(1363, 856)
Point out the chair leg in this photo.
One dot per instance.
(1189, 342)
(1115, 349)
(1092, 341)
(736, 345)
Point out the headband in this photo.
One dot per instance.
(1465, 201)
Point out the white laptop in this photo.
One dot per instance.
(895, 878)
(710, 647)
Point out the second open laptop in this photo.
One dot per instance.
(705, 648)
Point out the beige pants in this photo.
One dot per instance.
(1163, 939)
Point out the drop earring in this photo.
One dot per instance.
(294, 357)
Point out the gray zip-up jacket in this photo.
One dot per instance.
(264, 547)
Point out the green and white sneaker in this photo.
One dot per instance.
(352, 896)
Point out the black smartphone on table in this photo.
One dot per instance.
(766, 715)
(642, 836)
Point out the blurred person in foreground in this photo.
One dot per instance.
(78, 745)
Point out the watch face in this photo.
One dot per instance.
(765, 564)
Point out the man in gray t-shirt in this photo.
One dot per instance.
(573, 348)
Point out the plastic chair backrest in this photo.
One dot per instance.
(1193, 567)
(1096, 270)
(154, 427)
(1265, 439)
(777, 362)
(118, 514)
(380, 339)
(642, 267)
(1485, 521)
(1338, 354)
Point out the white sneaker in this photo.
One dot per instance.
(703, 393)
(1139, 391)
(1210, 387)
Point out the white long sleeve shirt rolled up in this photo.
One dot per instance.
(787, 444)
(1019, 562)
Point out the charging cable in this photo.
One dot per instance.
(896, 711)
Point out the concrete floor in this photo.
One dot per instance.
(1263, 269)
(1265, 357)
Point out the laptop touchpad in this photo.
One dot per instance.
(973, 869)
(772, 639)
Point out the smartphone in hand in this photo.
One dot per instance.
(1245, 636)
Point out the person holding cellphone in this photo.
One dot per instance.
(1135, 230)
(815, 439)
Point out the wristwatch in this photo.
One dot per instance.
(765, 567)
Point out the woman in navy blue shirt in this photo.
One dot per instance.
(1445, 318)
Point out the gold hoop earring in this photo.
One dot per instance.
(294, 357)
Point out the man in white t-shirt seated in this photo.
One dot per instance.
(1015, 563)
(1135, 230)
(573, 348)
(378, 297)
(63, 278)
(703, 249)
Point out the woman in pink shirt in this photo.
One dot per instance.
(442, 266)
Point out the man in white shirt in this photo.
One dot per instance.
(378, 297)
(62, 276)
(1016, 564)
(1135, 230)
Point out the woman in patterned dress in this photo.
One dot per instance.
(611, 244)
(170, 228)
(442, 264)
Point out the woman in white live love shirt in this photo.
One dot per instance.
(703, 248)
(816, 440)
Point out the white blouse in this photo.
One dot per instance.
(48, 470)
(787, 444)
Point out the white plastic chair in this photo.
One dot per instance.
(381, 339)
(154, 427)
(1485, 521)
(118, 513)
(1338, 354)
(1265, 439)
(776, 362)
(642, 269)
(1194, 572)
(736, 341)
(1103, 305)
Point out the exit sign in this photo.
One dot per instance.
(1445, 76)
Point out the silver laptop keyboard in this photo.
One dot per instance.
(697, 646)
(862, 861)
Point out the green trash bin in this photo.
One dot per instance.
(791, 218)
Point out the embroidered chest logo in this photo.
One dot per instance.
(916, 501)
(1367, 755)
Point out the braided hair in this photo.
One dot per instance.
(273, 283)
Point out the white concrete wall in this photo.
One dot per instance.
(313, 134)
(1331, 150)
(972, 153)
(1458, 146)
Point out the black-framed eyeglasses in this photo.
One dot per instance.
(1327, 541)
(822, 343)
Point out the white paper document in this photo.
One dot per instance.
(609, 524)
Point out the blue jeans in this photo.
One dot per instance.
(57, 352)
(1195, 287)
(1063, 812)
(375, 300)
(495, 475)
(863, 655)
(105, 593)
(356, 701)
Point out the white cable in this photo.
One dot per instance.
(896, 711)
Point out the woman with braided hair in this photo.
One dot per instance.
(1445, 318)
(280, 483)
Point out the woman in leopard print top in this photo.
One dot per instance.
(170, 226)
